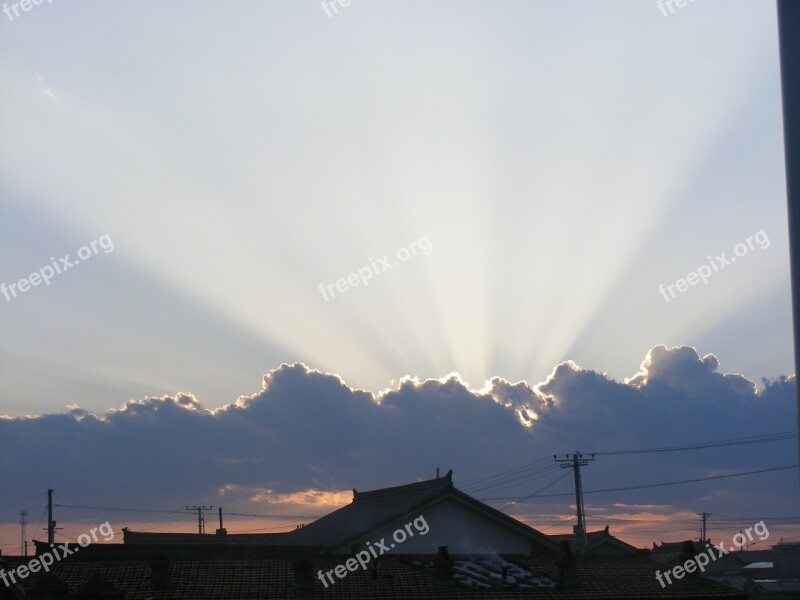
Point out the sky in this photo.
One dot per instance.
(281, 252)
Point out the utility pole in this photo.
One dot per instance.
(789, 44)
(575, 461)
(201, 520)
(704, 516)
(51, 525)
(221, 530)
(23, 520)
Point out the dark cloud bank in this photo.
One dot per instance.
(309, 430)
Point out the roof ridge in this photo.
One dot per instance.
(446, 483)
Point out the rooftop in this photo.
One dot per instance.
(397, 578)
(380, 508)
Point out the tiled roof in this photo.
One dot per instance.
(594, 540)
(12, 592)
(144, 537)
(597, 578)
(186, 551)
(369, 511)
(675, 553)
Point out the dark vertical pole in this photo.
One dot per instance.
(581, 528)
(201, 520)
(704, 529)
(51, 527)
(577, 461)
(789, 41)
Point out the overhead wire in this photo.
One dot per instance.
(661, 484)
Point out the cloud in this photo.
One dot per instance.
(305, 497)
(47, 91)
(307, 438)
(680, 368)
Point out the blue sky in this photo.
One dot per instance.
(563, 160)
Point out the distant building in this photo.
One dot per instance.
(598, 543)
(786, 558)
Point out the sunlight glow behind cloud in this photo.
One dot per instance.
(560, 176)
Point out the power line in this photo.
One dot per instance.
(523, 498)
(146, 510)
(711, 477)
(720, 524)
(272, 516)
(182, 512)
(44, 512)
(600, 517)
(662, 530)
(508, 481)
(12, 501)
(537, 468)
(727, 519)
(743, 441)
(662, 484)
(652, 521)
(469, 483)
